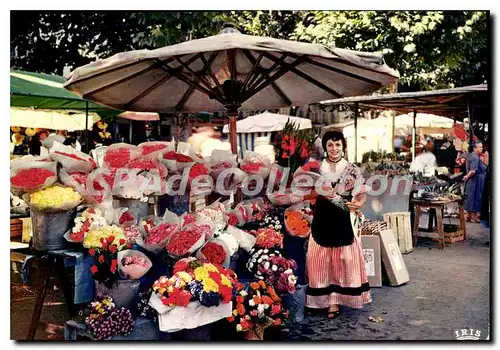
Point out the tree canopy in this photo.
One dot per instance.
(430, 49)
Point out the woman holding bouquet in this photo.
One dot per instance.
(335, 265)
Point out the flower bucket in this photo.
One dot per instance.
(295, 304)
(49, 228)
(123, 292)
(139, 208)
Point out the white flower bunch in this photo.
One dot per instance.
(259, 258)
(272, 222)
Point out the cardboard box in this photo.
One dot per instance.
(373, 262)
(393, 259)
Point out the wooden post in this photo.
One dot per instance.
(470, 112)
(393, 130)
(356, 132)
(414, 135)
(232, 131)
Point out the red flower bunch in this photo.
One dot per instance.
(126, 217)
(74, 156)
(105, 265)
(188, 219)
(80, 178)
(222, 165)
(268, 238)
(197, 170)
(147, 149)
(181, 158)
(313, 166)
(173, 291)
(187, 265)
(183, 241)
(214, 253)
(252, 168)
(147, 165)
(159, 233)
(232, 219)
(117, 158)
(31, 179)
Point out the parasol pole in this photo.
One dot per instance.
(471, 114)
(356, 132)
(87, 141)
(414, 135)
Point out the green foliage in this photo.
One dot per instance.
(430, 49)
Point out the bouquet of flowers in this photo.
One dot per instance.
(31, 174)
(133, 264)
(124, 216)
(194, 280)
(273, 220)
(147, 164)
(187, 219)
(214, 251)
(214, 214)
(152, 149)
(298, 219)
(186, 241)
(220, 161)
(278, 272)
(255, 164)
(295, 147)
(286, 197)
(119, 155)
(259, 256)
(104, 269)
(105, 320)
(132, 233)
(195, 172)
(176, 159)
(91, 218)
(157, 232)
(71, 159)
(268, 238)
(54, 198)
(257, 307)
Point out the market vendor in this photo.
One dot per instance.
(476, 174)
(425, 162)
(335, 265)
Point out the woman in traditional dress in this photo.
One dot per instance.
(335, 264)
(474, 183)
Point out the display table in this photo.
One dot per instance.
(443, 237)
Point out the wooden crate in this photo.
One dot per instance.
(400, 224)
(454, 237)
(16, 228)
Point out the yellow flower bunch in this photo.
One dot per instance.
(93, 237)
(225, 281)
(55, 197)
(200, 273)
(185, 276)
(209, 285)
(210, 267)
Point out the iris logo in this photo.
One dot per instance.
(468, 334)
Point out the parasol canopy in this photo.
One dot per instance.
(140, 116)
(268, 122)
(227, 72)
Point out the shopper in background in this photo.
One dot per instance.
(474, 183)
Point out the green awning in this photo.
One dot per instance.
(45, 91)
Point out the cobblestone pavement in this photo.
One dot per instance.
(448, 290)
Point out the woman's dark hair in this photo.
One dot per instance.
(334, 136)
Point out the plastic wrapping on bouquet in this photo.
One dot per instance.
(124, 293)
(139, 208)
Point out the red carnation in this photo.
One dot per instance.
(92, 251)
(93, 269)
(113, 248)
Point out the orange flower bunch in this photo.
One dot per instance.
(296, 224)
(257, 307)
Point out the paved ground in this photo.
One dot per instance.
(449, 290)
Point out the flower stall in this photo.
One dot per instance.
(174, 273)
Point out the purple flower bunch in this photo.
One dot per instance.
(278, 272)
(105, 320)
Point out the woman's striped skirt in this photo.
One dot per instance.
(336, 276)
